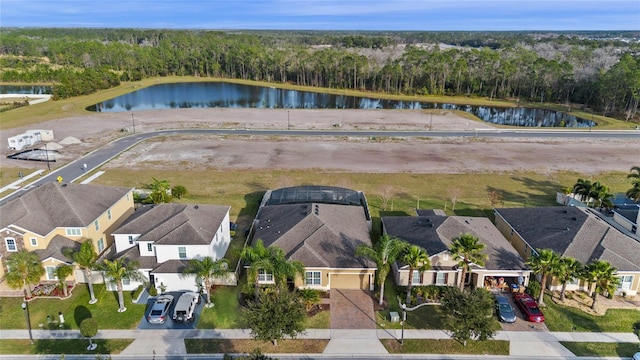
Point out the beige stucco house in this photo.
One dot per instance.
(574, 232)
(434, 232)
(321, 227)
(49, 218)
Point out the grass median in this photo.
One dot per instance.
(62, 346)
(620, 350)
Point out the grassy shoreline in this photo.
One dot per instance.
(77, 106)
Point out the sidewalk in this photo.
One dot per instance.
(363, 343)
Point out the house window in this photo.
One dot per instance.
(109, 214)
(415, 278)
(445, 256)
(73, 231)
(575, 281)
(149, 247)
(441, 278)
(312, 278)
(127, 196)
(34, 242)
(625, 282)
(264, 277)
(130, 239)
(11, 244)
(96, 224)
(182, 252)
(51, 273)
(100, 245)
(126, 281)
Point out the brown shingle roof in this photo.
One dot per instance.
(53, 205)
(434, 233)
(318, 235)
(175, 224)
(571, 231)
(57, 247)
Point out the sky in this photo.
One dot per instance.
(409, 15)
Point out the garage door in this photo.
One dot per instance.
(350, 281)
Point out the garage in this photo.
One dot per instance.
(362, 281)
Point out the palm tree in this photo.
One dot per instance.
(309, 297)
(25, 269)
(568, 270)
(582, 188)
(206, 270)
(284, 269)
(467, 250)
(384, 252)
(86, 258)
(120, 269)
(417, 259)
(601, 195)
(160, 191)
(603, 277)
(634, 192)
(543, 262)
(62, 272)
(258, 258)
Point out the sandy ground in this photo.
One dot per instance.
(354, 154)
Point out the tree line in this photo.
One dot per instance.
(603, 75)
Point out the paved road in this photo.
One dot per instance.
(95, 159)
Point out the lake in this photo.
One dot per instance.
(229, 95)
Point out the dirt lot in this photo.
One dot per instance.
(358, 154)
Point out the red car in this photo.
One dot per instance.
(529, 307)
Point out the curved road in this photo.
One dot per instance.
(96, 158)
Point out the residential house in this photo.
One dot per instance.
(626, 212)
(162, 238)
(434, 232)
(574, 232)
(320, 226)
(49, 218)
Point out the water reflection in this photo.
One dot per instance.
(228, 95)
(25, 89)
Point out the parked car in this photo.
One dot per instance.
(504, 310)
(159, 310)
(636, 356)
(185, 307)
(529, 307)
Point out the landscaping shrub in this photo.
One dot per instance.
(153, 291)
(136, 293)
(533, 288)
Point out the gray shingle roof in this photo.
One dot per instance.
(57, 247)
(133, 254)
(53, 205)
(318, 235)
(171, 267)
(175, 224)
(434, 233)
(572, 231)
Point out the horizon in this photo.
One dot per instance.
(327, 15)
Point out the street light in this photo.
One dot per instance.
(25, 309)
(404, 318)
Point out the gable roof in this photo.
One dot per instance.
(574, 232)
(318, 235)
(133, 254)
(56, 248)
(435, 232)
(175, 224)
(52, 205)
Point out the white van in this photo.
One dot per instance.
(185, 307)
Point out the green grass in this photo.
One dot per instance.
(235, 346)
(565, 318)
(447, 346)
(62, 346)
(226, 311)
(321, 320)
(621, 350)
(75, 309)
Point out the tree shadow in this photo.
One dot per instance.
(80, 313)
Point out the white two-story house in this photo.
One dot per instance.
(163, 238)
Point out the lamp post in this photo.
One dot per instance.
(25, 309)
(404, 318)
(133, 120)
(46, 152)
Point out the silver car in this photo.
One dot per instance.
(159, 310)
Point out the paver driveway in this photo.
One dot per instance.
(352, 309)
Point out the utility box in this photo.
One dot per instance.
(394, 316)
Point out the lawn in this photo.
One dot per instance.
(75, 309)
(226, 311)
(447, 346)
(564, 318)
(234, 346)
(620, 350)
(62, 346)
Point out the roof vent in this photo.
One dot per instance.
(568, 228)
(575, 218)
(566, 211)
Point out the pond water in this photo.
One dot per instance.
(25, 89)
(229, 95)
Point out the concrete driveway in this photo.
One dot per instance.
(521, 324)
(170, 324)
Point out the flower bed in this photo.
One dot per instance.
(50, 291)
